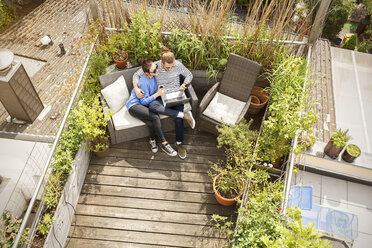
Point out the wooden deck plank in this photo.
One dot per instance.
(165, 240)
(149, 173)
(147, 226)
(143, 214)
(151, 164)
(198, 197)
(94, 243)
(148, 155)
(155, 204)
(149, 183)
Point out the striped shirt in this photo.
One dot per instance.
(169, 79)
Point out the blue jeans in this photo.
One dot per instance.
(158, 107)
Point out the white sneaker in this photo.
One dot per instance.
(154, 147)
(189, 118)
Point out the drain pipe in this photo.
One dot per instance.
(288, 175)
(37, 189)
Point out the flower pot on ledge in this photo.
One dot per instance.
(331, 150)
(120, 59)
(351, 153)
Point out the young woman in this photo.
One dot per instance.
(138, 107)
(169, 76)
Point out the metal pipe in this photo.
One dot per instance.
(288, 177)
(36, 192)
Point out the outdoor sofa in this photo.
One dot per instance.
(122, 126)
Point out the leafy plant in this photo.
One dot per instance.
(229, 183)
(295, 234)
(45, 224)
(7, 14)
(351, 42)
(53, 191)
(365, 46)
(10, 226)
(340, 138)
(238, 138)
(93, 123)
(353, 150)
(337, 16)
(144, 38)
(287, 101)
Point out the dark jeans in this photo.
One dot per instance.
(157, 106)
(151, 119)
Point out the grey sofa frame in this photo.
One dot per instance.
(118, 136)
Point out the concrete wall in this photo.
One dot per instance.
(70, 195)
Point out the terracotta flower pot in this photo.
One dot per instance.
(259, 98)
(120, 64)
(222, 200)
(101, 154)
(331, 150)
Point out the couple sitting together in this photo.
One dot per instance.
(145, 101)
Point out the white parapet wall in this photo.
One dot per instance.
(66, 207)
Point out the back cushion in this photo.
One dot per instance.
(116, 94)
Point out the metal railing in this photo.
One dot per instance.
(48, 162)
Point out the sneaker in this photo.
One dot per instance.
(181, 151)
(154, 147)
(168, 150)
(190, 119)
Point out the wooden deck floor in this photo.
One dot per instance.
(134, 198)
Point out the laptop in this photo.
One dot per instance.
(174, 98)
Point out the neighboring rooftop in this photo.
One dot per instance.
(65, 21)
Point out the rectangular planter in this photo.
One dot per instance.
(66, 207)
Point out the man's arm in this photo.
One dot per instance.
(135, 79)
(187, 74)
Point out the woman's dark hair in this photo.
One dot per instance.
(146, 65)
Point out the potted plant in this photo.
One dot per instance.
(116, 48)
(120, 58)
(336, 143)
(259, 98)
(94, 123)
(351, 152)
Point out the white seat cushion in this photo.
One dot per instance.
(116, 94)
(223, 108)
(187, 107)
(123, 119)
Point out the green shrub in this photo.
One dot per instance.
(238, 138)
(351, 42)
(287, 100)
(9, 230)
(337, 16)
(45, 224)
(340, 138)
(7, 14)
(144, 39)
(365, 46)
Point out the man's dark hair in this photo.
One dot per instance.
(146, 65)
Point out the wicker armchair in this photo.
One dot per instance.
(235, 88)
